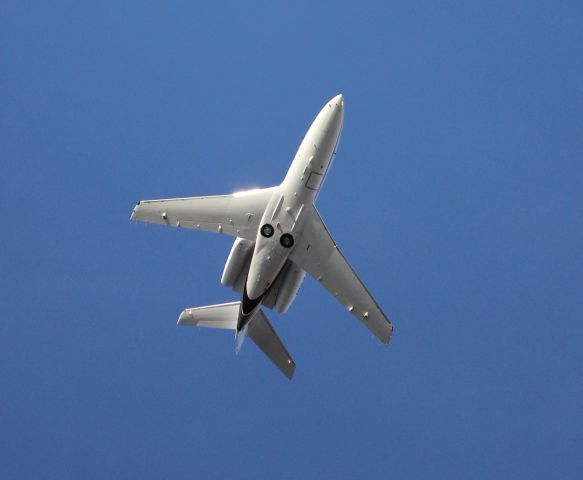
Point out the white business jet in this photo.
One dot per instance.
(279, 236)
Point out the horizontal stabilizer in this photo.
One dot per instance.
(258, 329)
(214, 316)
(262, 333)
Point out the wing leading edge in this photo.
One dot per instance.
(318, 254)
(238, 214)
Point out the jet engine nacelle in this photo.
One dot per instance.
(285, 288)
(238, 261)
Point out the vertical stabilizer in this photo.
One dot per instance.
(240, 337)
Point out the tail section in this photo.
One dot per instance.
(214, 316)
(264, 336)
(240, 337)
(225, 316)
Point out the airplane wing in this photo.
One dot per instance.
(317, 253)
(238, 214)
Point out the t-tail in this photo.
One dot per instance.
(225, 316)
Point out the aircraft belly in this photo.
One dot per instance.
(314, 181)
(267, 261)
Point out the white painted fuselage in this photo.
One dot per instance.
(279, 238)
(290, 204)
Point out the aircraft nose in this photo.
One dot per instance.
(338, 100)
(331, 116)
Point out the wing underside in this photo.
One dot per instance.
(318, 254)
(237, 215)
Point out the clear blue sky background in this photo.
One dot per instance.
(456, 194)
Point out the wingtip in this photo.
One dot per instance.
(135, 210)
(390, 335)
(290, 374)
(182, 319)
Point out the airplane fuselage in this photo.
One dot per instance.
(279, 238)
(283, 218)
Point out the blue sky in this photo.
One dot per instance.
(456, 194)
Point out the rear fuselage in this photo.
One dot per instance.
(283, 218)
